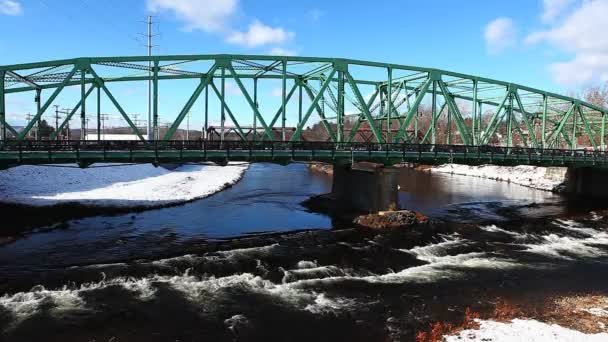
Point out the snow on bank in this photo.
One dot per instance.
(114, 185)
(537, 177)
(524, 330)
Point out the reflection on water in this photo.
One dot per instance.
(470, 198)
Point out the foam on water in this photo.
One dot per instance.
(430, 251)
(446, 267)
(495, 229)
(567, 247)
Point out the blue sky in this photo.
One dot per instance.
(557, 45)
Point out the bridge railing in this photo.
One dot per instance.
(25, 146)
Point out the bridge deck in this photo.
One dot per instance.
(88, 152)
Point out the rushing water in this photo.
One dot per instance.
(250, 263)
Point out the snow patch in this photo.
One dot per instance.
(114, 185)
(599, 312)
(523, 330)
(530, 176)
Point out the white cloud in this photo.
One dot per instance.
(553, 8)
(500, 34)
(206, 15)
(279, 51)
(215, 16)
(260, 34)
(583, 34)
(10, 7)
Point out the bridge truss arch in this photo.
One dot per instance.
(349, 99)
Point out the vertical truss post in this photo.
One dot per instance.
(299, 102)
(510, 120)
(98, 113)
(38, 99)
(587, 128)
(206, 119)
(340, 125)
(83, 92)
(283, 99)
(390, 104)
(2, 108)
(449, 136)
(544, 122)
(603, 132)
(479, 123)
(155, 132)
(322, 104)
(222, 103)
(255, 103)
(382, 111)
(573, 142)
(433, 113)
(474, 113)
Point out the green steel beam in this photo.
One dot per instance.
(296, 136)
(453, 108)
(366, 112)
(70, 115)
(223, 103)
(320, 110)
(253, 106)
(197, 92)
(2, 107)
(413, 110)
(280, 110)
(46, 105)
(355, 127)
(116, 104)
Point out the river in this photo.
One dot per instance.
(250, 263)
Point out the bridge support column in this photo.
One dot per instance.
(589, 182)
(365, 187)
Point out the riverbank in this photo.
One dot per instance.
(536, 177)
(555, 317)
(119, 186)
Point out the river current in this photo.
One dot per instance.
(250, 263)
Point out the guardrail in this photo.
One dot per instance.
(392, 150)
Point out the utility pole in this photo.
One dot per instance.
(148, 130)
(29, 117)
(103, 118)
(188, 126)
(149, 47)
(56, 121)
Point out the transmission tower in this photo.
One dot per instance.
(149, 47)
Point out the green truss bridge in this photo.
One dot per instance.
(326, 109)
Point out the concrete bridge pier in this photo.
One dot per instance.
(365, 186)
(589, 182)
